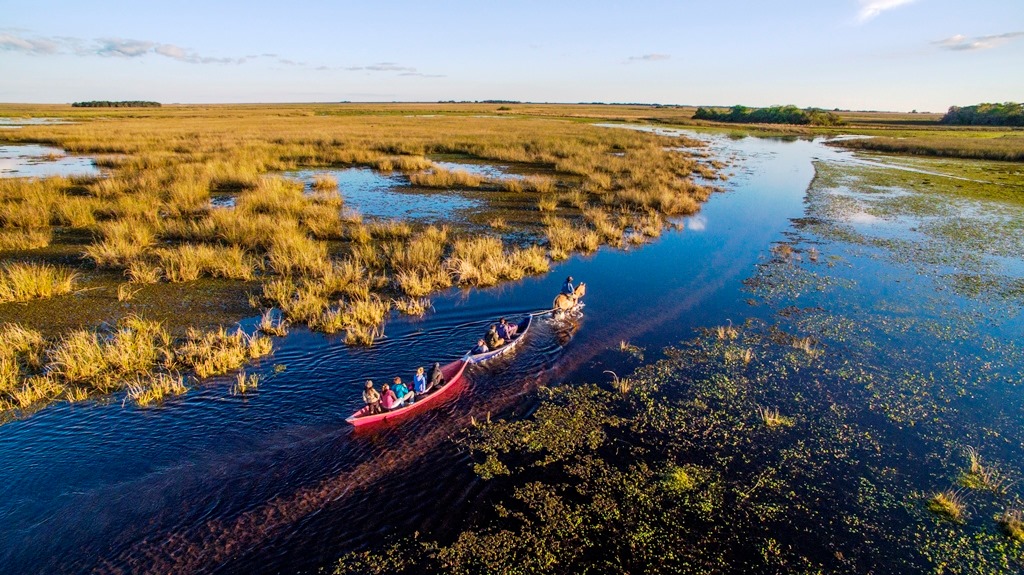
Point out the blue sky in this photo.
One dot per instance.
(851, 54)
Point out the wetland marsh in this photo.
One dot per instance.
(827, 355)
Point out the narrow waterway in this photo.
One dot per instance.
(278, 482)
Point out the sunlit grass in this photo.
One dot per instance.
(244, 384)
(220, 351)
(1012, 523)
(25, 239)
(442, 178)
(772, 418)
(28, 281)
(147, 389)
(948, 504)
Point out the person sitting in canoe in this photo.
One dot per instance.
(494, 341)
(506, 330)
(419, 382)
(436, 377)
(372, 398)
(402, 392)
(388, 399)
(481, 347)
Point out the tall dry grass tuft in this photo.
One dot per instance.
(146, 389)
(565, 238)
(772, 418)
(442, 178)
(245, 383)
(948, 504)
(272, 324)
(25, 239)
(273, 197)
(28, 281)
(189, 262)
(219, 351)
(293, 253)
(416, 307)
(122, 241)
(100, 362)
(324, 182)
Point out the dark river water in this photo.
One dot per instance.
(278, 482)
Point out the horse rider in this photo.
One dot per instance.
(567, 288)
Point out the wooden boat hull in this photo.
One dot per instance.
(524, 326)
(452, 376)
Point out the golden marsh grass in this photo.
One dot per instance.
(28, 281)
(151, 216)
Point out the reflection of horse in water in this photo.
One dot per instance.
(565, 326)
(566, 302)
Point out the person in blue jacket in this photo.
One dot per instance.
(567, 288)
(419, 382)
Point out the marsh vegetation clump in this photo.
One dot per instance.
(726, 332)
(1012, 523)
(981, 476)
(442, 178)
(772, 419)
(412, 306)
(244, 384)
(28, 281)
(24, 239)
(565, 238)
(272, 324)
(631, 349)
(948, 504)
(219, 351)
(147, 389)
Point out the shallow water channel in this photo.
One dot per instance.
(277, 481)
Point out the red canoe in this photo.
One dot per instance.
(452, 376)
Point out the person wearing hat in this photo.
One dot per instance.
(567, 288)
(371, 397)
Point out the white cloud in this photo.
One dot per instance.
(697, 223)
(963, 43)
(122, 48)
(870, 9)
(16, 43)
(650, 57)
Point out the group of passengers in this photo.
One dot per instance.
(398, 394)
(498, 335)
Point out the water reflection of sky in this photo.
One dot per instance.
(378, 195)
(485, 170)
(34, 161)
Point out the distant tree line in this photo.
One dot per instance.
(121, 104)
(772, 115)
(1008, 114)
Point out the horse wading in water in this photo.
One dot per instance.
(565, 302)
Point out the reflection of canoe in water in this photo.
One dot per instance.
(524, 326)
(452, 377)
